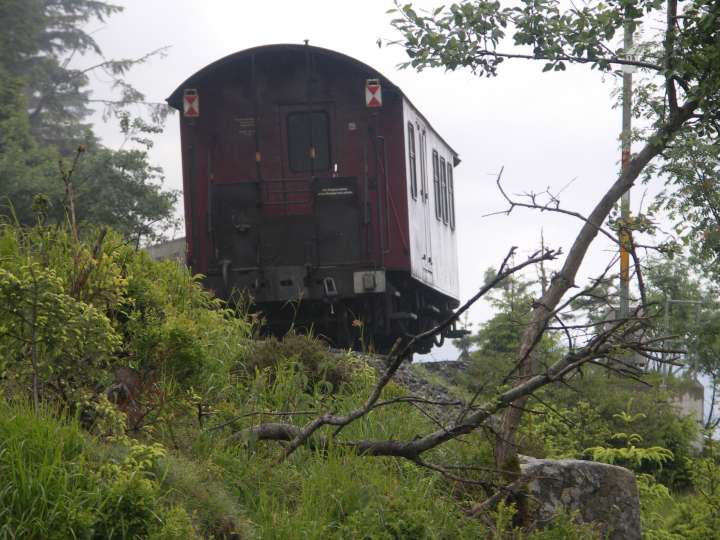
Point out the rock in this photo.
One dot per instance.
(449, 369)
(418, 386)
(604, 494)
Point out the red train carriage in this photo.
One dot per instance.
(311, 181)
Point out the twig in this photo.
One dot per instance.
(489, 503)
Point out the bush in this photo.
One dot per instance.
(555, 432)
(317, 363)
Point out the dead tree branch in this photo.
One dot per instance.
(565, 278)
(400, 351)
(599, 347)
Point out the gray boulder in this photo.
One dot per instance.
(604, 494)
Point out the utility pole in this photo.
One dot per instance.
(625, 161)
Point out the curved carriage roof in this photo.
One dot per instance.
(175, 99)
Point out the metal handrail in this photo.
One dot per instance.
(269, 192)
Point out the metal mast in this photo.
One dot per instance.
(625, 160)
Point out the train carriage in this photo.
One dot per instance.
(312, 182)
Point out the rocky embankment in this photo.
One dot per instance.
(425, 381)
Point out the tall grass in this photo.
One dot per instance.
(55, 487)
(46, 491)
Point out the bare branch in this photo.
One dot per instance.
(599, 347)
(565, 278)
(553, 205)
(399, 352)
(509, 489)
(487, 486)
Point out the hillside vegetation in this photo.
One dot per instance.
(87, 451)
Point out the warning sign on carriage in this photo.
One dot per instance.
(191, 103)
(373, 93)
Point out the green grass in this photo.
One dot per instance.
(54, 485)
(438, 380)
(46, 492)
(60, 482)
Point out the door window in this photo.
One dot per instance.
(308, 141)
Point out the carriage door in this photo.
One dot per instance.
(426, 214)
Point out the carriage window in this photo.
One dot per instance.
(411, 155)
(443, 191)
(436, 182)
(451, 195)
(308, 141)
(423, 168)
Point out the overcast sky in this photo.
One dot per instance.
(546, 129)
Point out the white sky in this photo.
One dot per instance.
(544, 128)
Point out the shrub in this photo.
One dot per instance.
(56, 337)
(312, 355)
(129, 508)
(555, 432)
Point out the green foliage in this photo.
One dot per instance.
(197, 488)
(201, 379)
(316, 362)
(498, 339)
(129, 186)
(75, 311)
(44, 105)
(177, 524)
(700, 518)
(44, 325)
(25, 167)
(628, 453)
(677, 98)
(693, 515)
(54, 488)
(343, 496)
(575, 424)
(562, 527)
(564, 432)
(468, 34)
(482, 35)
(51, 334)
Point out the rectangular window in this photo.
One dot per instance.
(436, 183)
(308, 141)
(451, 195)
(423, 168)
(411, 155)
(443, 191)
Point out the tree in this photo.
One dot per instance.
(44, 115)
(680, 95)
(40, 40)
(498, 338)
(691, 196)
(25, 166)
